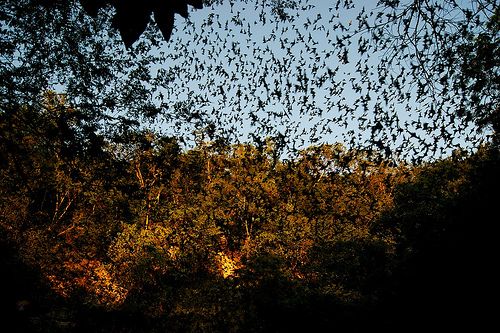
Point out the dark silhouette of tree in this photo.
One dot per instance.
(442, 273)
(444, 52)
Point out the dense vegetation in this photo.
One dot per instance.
(145, 236)
(107, 225)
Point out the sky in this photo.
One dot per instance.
(240, 72)
(265, 56)
(240, 68)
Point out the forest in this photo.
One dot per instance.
(107, 225)
(230, 238)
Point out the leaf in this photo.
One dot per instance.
(164, 18)
(131, 19)
(180, 7)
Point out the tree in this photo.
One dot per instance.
(444, 53)
(63, 49)
(438, 223)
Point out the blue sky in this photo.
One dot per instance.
(249, 73)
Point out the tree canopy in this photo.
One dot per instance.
(228, 237)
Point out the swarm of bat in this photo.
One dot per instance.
(292, 71)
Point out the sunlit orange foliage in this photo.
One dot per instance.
(94, 278)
